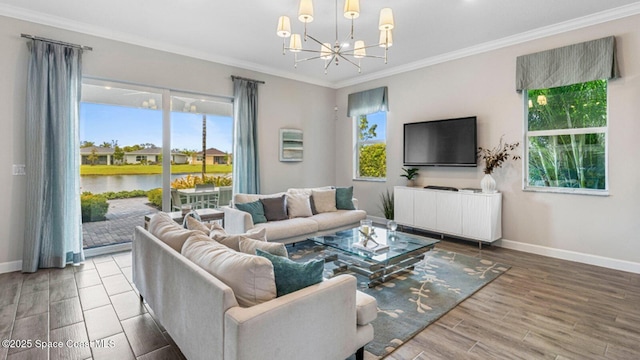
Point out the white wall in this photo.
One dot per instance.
(484, 85)
(282, 103)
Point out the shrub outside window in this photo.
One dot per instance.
(566, 138)
(371, 147)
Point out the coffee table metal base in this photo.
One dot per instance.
(376, 273)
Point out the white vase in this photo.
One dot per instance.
(488, 184)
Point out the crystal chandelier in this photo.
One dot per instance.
(339, 50)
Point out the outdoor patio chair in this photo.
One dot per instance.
(224, 198)
(176, 201)
(209, 199)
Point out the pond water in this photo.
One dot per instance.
(104, 183)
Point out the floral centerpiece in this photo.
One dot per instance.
(494, 158)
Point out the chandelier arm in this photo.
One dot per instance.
(305, 50)
(314, 39)
(309, 58)
(343, 42)
(328, 62)
(348, 60)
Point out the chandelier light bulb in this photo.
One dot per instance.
(295, 44)
(305, 11)
(359, 50)
(284, 27)
(386, 39)
(351, 9)
(386, 19)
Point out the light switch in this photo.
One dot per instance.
(19, 169)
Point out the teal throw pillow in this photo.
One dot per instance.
(255, 209)
(344, 198)
(292, 276)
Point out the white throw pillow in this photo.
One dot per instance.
(298, 205)
(194, 224)
(162, 226)
(325, 200)
(250, 277)
(249, 246)
(233, 240)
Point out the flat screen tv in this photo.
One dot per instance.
(450, 142)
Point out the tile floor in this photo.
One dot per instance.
(94, 304)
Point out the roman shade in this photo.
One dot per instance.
(573, 64)
(368, 102)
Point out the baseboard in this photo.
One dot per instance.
(590, 259)
(10, 266)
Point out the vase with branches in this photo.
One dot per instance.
(494, 158)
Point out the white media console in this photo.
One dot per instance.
(475, 216)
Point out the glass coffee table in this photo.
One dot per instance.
(404, 251)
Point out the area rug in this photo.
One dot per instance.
(414, 299)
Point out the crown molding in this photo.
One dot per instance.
(559, 28)
(88, 29)
(80, 27)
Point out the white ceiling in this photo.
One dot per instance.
(242, 32)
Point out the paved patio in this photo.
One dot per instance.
(123, 216)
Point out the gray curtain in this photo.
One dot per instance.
(246, 175)
(53, 223)
(368, 102)
(568, 65)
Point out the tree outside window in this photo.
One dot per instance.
(567, 138)
(371, 147)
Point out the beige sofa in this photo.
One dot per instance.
(329, 320)
(293, 229)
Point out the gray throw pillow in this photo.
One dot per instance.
(292, 276)
(275, 208)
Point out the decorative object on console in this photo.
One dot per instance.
(493, 159)
(410, 174)
(291, 145)
(348, 50)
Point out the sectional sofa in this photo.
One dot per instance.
(203, 315)
(298, 224)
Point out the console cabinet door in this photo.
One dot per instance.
(482, 217)
(476, 217)
(403, 206)
(449, 213)
(424, 209)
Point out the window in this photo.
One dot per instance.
(371, 148)
(141, 158)
(566, 136)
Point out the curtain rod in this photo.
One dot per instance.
(233, 77)
(89, 48)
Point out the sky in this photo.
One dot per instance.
(130, 126)
(379, 118)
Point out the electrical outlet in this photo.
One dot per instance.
(19, 169)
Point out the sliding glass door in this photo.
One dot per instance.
(127, 133)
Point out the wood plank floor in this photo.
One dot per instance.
(542, 308)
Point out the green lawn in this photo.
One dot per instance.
(149, 169)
